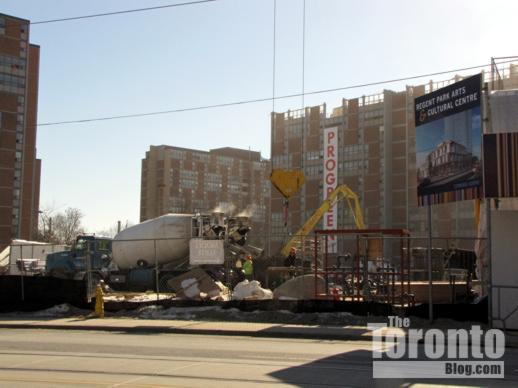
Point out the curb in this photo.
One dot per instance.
(270, 333)
(280, 333)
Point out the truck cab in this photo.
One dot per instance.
(72, 264)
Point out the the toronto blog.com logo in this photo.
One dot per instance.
(399, 351)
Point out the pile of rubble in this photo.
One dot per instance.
(197, 284)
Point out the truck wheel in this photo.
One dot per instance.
(163, 283)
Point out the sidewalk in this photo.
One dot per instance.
(272, 330)
(130, 325)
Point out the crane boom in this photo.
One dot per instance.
(341, 192)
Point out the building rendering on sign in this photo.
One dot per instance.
(448, 158)
(180, 180)
(376, 158)
(19, 168)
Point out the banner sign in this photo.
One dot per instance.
(460, 96)
(330, 182)
(448, 143)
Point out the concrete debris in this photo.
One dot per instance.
(218, 313)
(246, 290)
(197, 284)
(58, 311)
(300, 287)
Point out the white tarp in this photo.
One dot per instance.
(504, 269)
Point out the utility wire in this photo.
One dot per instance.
(122, 12)
(257, 100)
(303, 129)
(274, 53)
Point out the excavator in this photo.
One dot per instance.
(338, 194)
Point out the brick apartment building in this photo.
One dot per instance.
(19, 168)
(180, 180)
(376, 158)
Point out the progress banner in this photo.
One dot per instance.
(330, 182)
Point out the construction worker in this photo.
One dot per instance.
(290, 260)
(239, 270)
(248, 268)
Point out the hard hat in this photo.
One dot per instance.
(249, 257)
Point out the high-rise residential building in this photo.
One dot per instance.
(180, 180)
(19, 168)
(376, 158)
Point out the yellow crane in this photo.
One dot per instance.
(341, 192)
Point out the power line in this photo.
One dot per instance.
(274, 46)
(303, 130)
(122, 12)
(257, 100)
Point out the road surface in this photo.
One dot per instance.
(54, 358)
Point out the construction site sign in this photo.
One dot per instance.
(206, 252)
(330, 182)
(448, 143)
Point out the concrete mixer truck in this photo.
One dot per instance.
(154, 251)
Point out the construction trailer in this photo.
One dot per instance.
(27, 258)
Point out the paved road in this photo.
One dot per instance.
(53, 358)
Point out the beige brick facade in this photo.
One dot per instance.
(180, 180)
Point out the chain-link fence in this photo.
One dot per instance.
(382, 266)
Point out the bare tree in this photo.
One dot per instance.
(45, 233)
(110, 232)
(66, 226)
(113, 230)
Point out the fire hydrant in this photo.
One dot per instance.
(99, 301)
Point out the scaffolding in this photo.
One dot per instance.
(365, 274)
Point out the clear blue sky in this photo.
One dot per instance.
(215, 53)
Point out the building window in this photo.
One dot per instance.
(212, 182)
(314, 155)
(200, 157)
(178, 154)
(225, 161)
